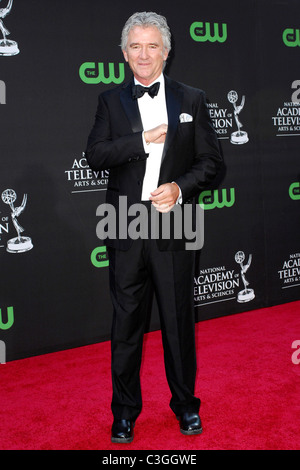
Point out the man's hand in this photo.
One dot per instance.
(165, 196)
(157, 135)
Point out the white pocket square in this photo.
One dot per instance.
(184, 117)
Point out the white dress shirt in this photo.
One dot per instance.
(153, 113)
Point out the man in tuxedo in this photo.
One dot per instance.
(161, 149)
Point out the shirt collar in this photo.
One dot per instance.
(159, 79)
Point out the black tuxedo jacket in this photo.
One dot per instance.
(191, 155)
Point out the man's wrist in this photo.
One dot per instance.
(145, 138)
(179, 198)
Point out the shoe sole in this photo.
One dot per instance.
(191, 432)
(121, 440)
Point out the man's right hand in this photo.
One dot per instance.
(157, 135)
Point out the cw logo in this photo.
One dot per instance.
(99, 257)
(10, 319)
(291, 37)
(294, 191)
(211, 199)
(93, 73)
(2, 92)
(202, 32)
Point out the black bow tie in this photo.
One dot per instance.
(138, 90)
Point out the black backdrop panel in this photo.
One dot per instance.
(245, 55)
(278, 100)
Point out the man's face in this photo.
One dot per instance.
(145, 53)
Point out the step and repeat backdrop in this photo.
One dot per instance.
(55, 58)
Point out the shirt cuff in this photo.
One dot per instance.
(145, 144)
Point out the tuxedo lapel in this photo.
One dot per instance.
(173, 102)
(131, 107)
(174, 97)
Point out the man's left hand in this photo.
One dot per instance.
(165, 196)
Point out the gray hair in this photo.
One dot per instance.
(147, 19)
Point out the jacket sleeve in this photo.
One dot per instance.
(207, 160)
(104, 151)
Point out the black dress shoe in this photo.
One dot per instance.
(190, 423)
(122, 431)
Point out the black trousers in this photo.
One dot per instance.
(132, 274)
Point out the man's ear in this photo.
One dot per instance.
(125, 55)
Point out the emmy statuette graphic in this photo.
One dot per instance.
(7, 46)
(18, 244)
(238, 137)
(247, 294)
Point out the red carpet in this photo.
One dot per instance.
(246, 380)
